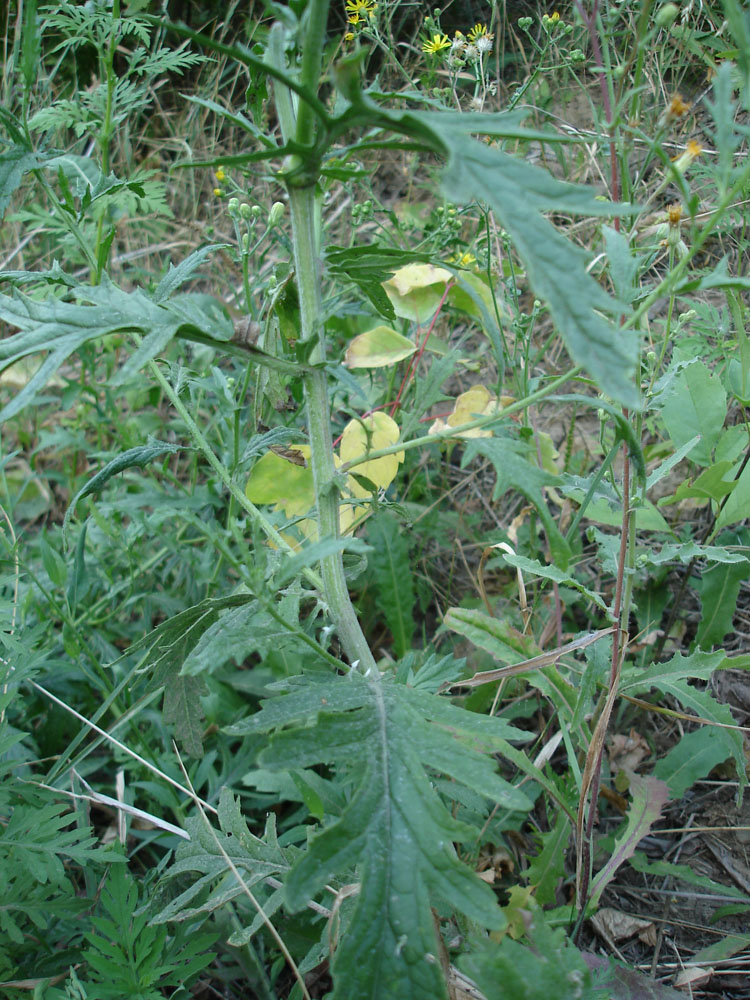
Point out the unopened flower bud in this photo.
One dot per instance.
(245, 211)
(666, 15)
(276, 214)
(234, 206)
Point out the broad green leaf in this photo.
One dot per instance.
(475, 402)
(416, 290)
(738, 504)
(697, 405)
(182, 709)
(517, 192)
(602, 510)
(472, 295)
(177, 275)
(671, 678)
(718, 588)
(54, 565)
(58, 329)
(669, 463)
(722, 949)
(504, 642)
(514, 471)
(549, 966)
(392, 573)
(378, 348)
(369, 434)
(169, 645)
(623, 264)
(14, 165)
(395, 829)
(255, 858)
(547, 869)
(684, 873)
(648, 798)
(534, 567)
(686, 551)
(132, 458)
(709, 485)
(283, 478)
(368, 267)
(693, 758)
(314, 553)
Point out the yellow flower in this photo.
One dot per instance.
(465, 259)
(360, 10)
(218, 192)
(477, 32)
(436, 44)
(674, 212)
(555, 16)
(220, 175)
(349, 36)
(692, 152)
(677, 108)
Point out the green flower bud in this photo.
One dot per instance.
(524, 23)
(245, 211)
(666, 15)
(234, 206)
(276, 214)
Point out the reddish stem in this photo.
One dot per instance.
(590, 21)
(416, 358)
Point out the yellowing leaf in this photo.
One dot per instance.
(283, 483)
(377, 348)
(475, 402)
(460, 298)
(370, 434)
(415, 290)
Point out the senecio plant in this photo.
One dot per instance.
(370, 744)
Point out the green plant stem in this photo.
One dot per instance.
(451, 432)
(335, 590)
(223, 473)
(672, 280)
(106, 132)
(315, 26)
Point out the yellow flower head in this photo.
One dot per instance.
(692, 152)
(674, 212)
(555, 16)
(220, 175)
(478, 31)
(218, 192)
(360, 10)
(436, 44)
(677, 108)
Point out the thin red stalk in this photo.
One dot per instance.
(416, 358)
(613, 679)
(380, 406)
(590, 21)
